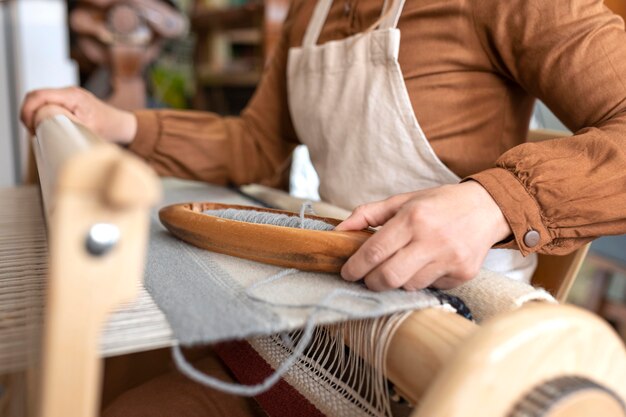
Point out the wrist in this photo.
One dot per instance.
(127, 128)
(499, 226)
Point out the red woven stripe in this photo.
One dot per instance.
(282, 400)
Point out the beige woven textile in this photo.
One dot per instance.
(23, 265)
(490, 294)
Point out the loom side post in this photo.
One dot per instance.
(91, 184)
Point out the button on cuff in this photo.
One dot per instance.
(532, 238)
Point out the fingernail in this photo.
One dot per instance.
(344, 274)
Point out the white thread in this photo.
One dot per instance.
(307, 334)
(306, 208)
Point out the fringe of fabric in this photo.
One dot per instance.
(342, 373)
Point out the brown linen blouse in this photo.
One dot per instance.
(472, 69)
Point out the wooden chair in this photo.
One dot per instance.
(566, 358)
(557, 273)
(605, 271)
(618, 6)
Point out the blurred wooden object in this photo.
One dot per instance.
(124, 36)
(125, 372)
(522, 346)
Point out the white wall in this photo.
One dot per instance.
(39, 57)
(7, 135)
(543, 118)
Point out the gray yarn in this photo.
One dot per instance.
(307, 336)
(275, 219)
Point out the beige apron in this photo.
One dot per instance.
(350, 106)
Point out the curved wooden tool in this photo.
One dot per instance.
(308, 250)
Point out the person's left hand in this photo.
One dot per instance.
(439, 236)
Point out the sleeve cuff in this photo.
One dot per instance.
(520, 209)
(148, 132)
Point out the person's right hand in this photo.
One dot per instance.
(110, 123)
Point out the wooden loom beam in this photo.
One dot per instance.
(493, 366)
(433, 336)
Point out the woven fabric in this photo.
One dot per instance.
(203, 294)
(490, 294)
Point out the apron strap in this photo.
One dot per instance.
(318, 19)
(322, 8)
(391, 20)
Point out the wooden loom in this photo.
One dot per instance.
(541, 360)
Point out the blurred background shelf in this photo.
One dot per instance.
(233, 44)
(211, 78)
(206, 18)
(601, 284)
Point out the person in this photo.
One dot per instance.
(423, 134)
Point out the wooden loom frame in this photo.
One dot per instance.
(86, 182)
(449, 365)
